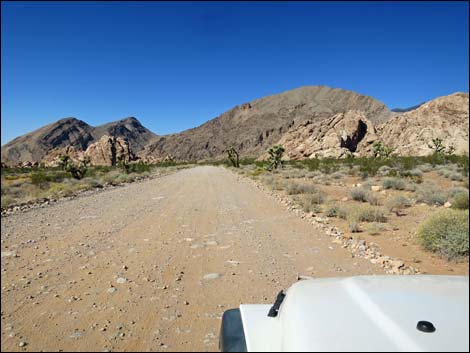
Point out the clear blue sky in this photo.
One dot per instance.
(176, 65)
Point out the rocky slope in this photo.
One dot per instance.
(332, 137)
(72, 132)
(444, 117)
(253, 127)
(407, 133)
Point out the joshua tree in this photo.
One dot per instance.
(381, 151)
(275, 156)
(64, 161)
(78, 172)
(121, 162)
(437, 146)
(233, 156)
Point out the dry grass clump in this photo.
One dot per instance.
(446, 233)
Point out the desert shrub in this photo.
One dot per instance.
(398, 203)
(430, 194)
(335, 211)
(375, 228)
(7, 201)
(384, 170)
(446, 233)
(460, 201)
(311, 202)
(456, 176)
(258, 171)
(359, 194)
(411, 187)
(354, 224)
(368, 213)
(394, 183)
(454, 191)
(337, 175)
(372, 199)
(113, 176)
(426, 167)
(297, 188)
(93, 182)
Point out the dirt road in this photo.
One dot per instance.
(152, 265)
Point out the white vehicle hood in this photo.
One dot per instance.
(364, 313)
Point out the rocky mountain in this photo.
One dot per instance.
(72, 132)
(308, 121)
(253, 127)
(444, 117)
(406, 133)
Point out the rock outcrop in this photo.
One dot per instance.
(109, 150)
(337, 136)
(52, 158)
(445, 117)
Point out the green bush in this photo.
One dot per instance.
(446, 233)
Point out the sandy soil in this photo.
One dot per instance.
(161, 238)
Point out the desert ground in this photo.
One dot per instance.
(152, 265)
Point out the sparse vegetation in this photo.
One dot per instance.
(298, 188)
(431, 194)
(359, 194)
(460, 201)
(446, 233)
(394, 183)
(398, 203)
(26, 185)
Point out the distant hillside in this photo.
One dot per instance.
(404, 110)
(73, 132)
(252, 127)
(311, 120)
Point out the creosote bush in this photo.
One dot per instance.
(446, 233)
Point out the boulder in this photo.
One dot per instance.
(109, 150)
